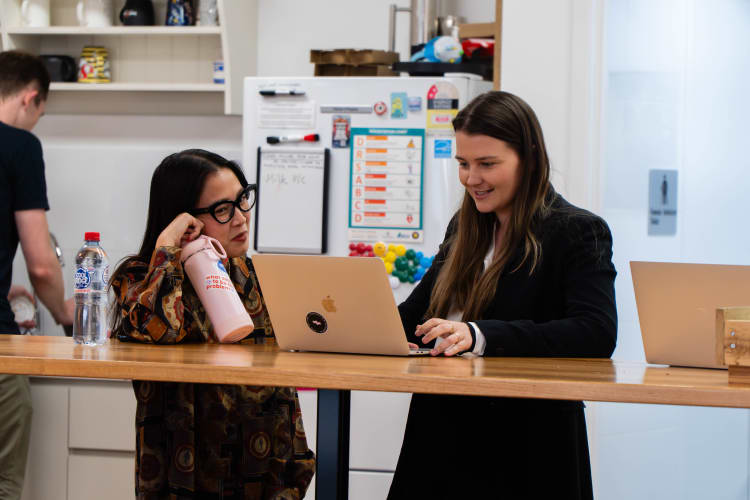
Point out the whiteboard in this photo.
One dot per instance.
(291, 210)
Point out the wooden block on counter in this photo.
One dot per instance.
(733, 342)
(739, 374)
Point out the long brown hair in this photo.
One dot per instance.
(462, 282)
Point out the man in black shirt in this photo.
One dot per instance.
(24, 83)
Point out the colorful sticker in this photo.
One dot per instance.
(399, 101)
(385, 185)
(380, 108)
(442, 107)
(443, 148)
(415, 103)
(341, 131)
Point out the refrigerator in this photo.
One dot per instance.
(391, 172)
(390, 175)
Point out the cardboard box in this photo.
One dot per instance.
(351, 62)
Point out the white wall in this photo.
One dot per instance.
(674, 98)
(288, 29)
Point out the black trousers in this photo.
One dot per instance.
(475, 447)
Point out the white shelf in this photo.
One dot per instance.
(117, 30)
(139, 87)
(156, 69)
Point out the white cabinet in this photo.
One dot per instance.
(155, 69)
(378, 420)
(369, 485)
(102, 416)
(94, 477)
(47, 465)
(82, 440)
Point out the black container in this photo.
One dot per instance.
(483, 69)
(137, 13)
(61, 68)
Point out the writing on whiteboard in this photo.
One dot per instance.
(282, 179)
(288, 169)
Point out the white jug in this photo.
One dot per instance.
(95, 13)
(35, 13)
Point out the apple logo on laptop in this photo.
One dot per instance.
(329, 304)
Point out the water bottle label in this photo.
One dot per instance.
(82, 280)
(105, 276)
(218, 282)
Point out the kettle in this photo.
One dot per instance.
(137, 13)
(201, 259)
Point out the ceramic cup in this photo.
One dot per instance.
(208, 13)
(35, 13)
(95, 13)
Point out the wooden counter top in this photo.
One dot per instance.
(548, 378)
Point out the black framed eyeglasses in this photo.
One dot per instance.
(223, 211)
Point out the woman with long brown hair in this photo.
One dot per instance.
(521, 272)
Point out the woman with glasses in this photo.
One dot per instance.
(199, 440)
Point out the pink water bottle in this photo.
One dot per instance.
(201, 259)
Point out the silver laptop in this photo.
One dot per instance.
(331, 304)
(677, 309)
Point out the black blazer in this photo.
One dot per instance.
(566, 308)
(480, 447)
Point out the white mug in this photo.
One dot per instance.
(35, 13)
(95, 13)
(208, 13)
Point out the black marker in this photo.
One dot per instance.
(281, 92)
(292, 138)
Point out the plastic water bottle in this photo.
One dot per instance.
(91, 279)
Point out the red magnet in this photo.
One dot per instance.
(380, 108)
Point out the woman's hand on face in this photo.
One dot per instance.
(182, 229)
(455, 334)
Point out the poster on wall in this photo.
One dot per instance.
(662, 202)
(385, 184)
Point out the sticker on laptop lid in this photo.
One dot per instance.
(316, 322)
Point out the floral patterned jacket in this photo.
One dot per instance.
(201, 440)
